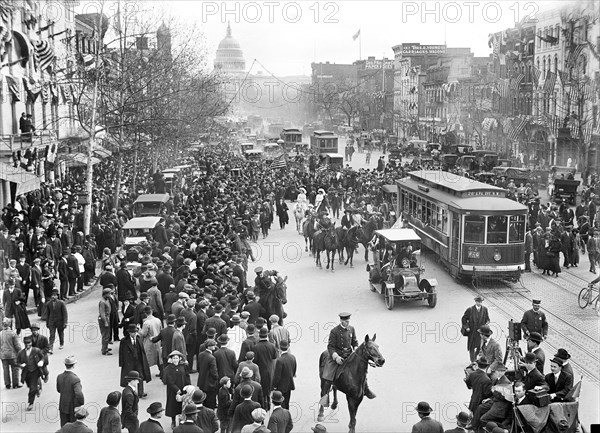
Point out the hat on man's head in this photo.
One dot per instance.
(260, 322)
(536, 336)
(171, 318)
(70, 360)
(258, 270)
(423, 407)
(245, 314)
(482, 363)
(485, 330)
(133, 375)
(259, 414)
(250, 295)
(530, 358)
(536, 302)
(180, 321)
(235, 318)
(498, 366)
(211, 343)
(223, 339)
(190, 409)
(562, 354)
(246, 373)
(113, 398)
(319, 428)
(81, 412)
(246, 391)
(277, 397)
(557, 361)
(263, 333)
(155, 408)
(478, 299)
(34, 326)
(462, 418)
(344, 316)
(132, 327)
(218, 308)
(198, 396)
(144, 295)
(284, 345)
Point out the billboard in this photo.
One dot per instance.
(378, 64)
(418, 49)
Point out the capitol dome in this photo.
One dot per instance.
(230, 57)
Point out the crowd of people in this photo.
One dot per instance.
(193, 306)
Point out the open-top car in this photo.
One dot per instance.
(396, 272)
(565, 185)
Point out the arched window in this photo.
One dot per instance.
(539, 40)
(555, 64)
(583, 64)
(557, 33)
(544, 68)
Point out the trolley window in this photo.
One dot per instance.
(426, 211)
(474, 229)
(496, 229)
(516, 229)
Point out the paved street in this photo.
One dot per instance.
(425, 353)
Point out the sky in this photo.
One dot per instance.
(286, 36)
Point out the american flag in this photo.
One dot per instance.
(44, 55)
(279, 162)
(550, 82)
(14, 85)
(536, 76)
(516, 82)
(564, 77)
(322, 168)
(587, 131)
(514, 133)
(574, 54)
(502, 88)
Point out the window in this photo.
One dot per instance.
(516, 230)
(474, 229)
(557, 33)
(539, 41)
(496, 229)
(556, 64)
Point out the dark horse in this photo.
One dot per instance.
(325, 240)
(374, 223)
(351, 376)
(275, 296)
(308, 230)
(348, 240)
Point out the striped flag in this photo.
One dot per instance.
(322, 168)
(6, 9)
(279, 162)
(564, 77)
(550, 82)
(44, 55)
(536, 76)
(496, 47)
(66, 92)
(14, 86)
(587, 131)
(574, 54)
(89, 62)
(516, 82)
(514, 133)
(356, 35)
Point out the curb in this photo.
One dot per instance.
(77, 297)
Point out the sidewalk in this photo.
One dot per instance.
(32, 309)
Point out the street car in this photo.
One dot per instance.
(396, 273)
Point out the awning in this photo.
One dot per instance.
(78, 160)
(26, 182)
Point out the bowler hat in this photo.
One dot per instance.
(277, 397)
(113, 398)
(530, 358)
(462, 418)
(235, 319)
(557, 361)
(211, 332)
(190, 409)
(180, 321)
(223, 339)
(485, 330)
(218, 308)
(132, 327)
(423, 407)
(536, 336)
(34, 326)
(263, 333)
(562, 354)
(260, 322)
(171, 318)
(250, 295)
(155, 407)
(246, 391)
(198, 396)
(133, 375)
(478, 299)
(284, 345)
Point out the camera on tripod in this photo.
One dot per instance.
(513, 351)
(514, 331)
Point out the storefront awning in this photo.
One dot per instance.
(26, 182)
(78, 160)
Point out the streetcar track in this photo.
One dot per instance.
(592, 375)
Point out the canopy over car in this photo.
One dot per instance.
(399, 235)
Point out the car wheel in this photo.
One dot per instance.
(389, 298)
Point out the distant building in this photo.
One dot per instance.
(230, 57)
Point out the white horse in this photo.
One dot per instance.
(299, 215)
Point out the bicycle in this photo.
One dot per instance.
(586, 297)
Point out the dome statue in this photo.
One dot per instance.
(230, 57)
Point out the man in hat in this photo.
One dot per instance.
(11, 298)
(490, 348)
(155, 300)
(130, 401)
(178, 306)
(242, 414)
(56, 317)
(132, 357)
(255, 309)
(564, 356)
(206, 418)
(342, 342)
(277, 333)
(533, 345)
(77, 425)
(31, 360)
(208, 376)
(165, 336)
(559, 382)
(104, 320)
(533, 378)
(178, 340)
(190, 411)
(285, 372)
(427, 424)
(462, 420)
(265, 354)
(534, 320)
(280, 420)
(190, 332)
(497, 407)
(109, 419)
(226, 358)
(216, 321)
(125, 283)
(319, 428)
(480, 384)
(474, 318)
(10, 346)
(139, 308)
(250, 366)
(68, 386)
(153, 425)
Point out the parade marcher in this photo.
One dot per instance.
(109, 420)
(534, 320)
(285, 372)
(208, 378)
(56, 317)
(559, 382)
(130, 401)
(426, 424)
(68, 386)
(474, 318)
(175, 377)
(31, 360)
(133, 358)
(77, 425)
(152, 424)
(10, 346)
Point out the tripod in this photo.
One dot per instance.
(511, 359)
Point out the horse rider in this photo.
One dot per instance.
(347, 220)
(342, 342)
(302, 198)
(261, 282)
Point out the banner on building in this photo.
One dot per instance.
(413, 49)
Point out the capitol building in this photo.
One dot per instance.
(230, 57)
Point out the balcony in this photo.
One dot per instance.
(21, 142)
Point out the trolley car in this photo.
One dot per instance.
(472, 227)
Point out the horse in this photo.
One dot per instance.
(374, 223)
(299, 215)
(348, 240)
(350, 378)
(325, 240)
(275, 296)
(308, 230)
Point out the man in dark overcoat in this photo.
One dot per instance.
(534, 320)
(474, 318)
(265, 354)
(68, 386)
(125, 284)
(479, 382)
(133, 357)
(285, 371)
(208, 376)
(130, 401)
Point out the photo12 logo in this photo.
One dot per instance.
(467, 11)
(270, 12)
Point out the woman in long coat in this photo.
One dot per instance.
(282, 213)
(553, 254)
(176, 378)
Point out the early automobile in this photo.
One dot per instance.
(396, 272)
(565, 185)
(150, 204)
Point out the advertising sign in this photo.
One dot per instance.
(418, 49)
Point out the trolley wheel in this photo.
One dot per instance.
(389, 298)
(584, 297)
(432, 300)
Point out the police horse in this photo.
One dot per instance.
(326, 240)
(348, 240)
(274, 297)
(350, 378)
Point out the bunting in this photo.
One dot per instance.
(574, 55)
(44, 55)
(6, 9)
(14, 86)
(279, 162)
(564, 77)
(536, 76)
(44, 93)
(550, 82)
(33, 89)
